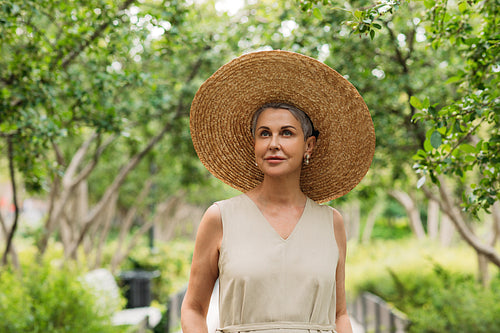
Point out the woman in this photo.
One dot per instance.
(290, 132)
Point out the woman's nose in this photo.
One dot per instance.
(274, 144)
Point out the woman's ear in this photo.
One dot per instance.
(310, 143)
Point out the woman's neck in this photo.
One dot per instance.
(278, 191)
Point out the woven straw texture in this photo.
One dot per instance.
(223, 107)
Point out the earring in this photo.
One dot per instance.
(306, 159)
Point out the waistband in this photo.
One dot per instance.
(274, 326)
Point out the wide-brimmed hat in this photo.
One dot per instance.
(222, 110)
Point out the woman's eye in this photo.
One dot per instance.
(265, 133)
(287, 133)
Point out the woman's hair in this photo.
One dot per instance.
(302, 117)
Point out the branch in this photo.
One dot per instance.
(117, 182)
(59, 154)
(98, 32)
(462, 139)
(120, 178)
(456, 217)
(10, 236)
(92, 164)
(77, 160)
(67, 185)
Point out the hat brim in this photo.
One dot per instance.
(222, 110)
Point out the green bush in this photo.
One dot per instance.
(457, 304)
(442, 301)
(434, 286)
(171, 260)
(44, 297)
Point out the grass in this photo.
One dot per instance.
(374, 261)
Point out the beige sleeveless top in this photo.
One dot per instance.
(273, 285)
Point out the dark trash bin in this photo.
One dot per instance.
(137, 285)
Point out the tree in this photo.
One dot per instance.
(458, 131)
(464, 135)
(91, 80)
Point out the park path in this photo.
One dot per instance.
(213, 313)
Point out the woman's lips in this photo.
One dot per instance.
(274, 159)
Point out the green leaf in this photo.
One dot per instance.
(429, 3)
(467, 148)
(462, 6)
(426, 103)
(358, 14)
(427, 145)
(453, 79)
(442, 130)
(372, 34)
(470, 158)
(317, 13)
(436, 139)
(415, 102)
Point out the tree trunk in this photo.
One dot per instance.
(411, 210)
(446, 230)
(132, 243)
(68, 183)
(482, 269)
(105, 226)
(376, 210)
(354, 220)
(433, 219)
(13, 253)
(10, 234)
(447, 205)
(126, 225)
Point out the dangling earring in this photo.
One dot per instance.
(306, 159)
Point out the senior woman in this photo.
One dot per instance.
(290, 133)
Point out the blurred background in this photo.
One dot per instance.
(97, 168)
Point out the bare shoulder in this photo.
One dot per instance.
(210, 228)
(338, 220)
(339, 227)
(212, 216)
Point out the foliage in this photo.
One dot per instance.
(172, 260)
(457, 304)
(364, 20)
(45, 297)
(396, 229)
(464, 134)
(443, 301)
(121, 72)
(434, 286)
(372, 263)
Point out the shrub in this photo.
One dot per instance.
(172, 260)
(442, 301)
(434, 286)
(44, 297)
(458, 304)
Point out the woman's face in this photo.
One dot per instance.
(279, 143)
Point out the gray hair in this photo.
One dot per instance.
(301, 116)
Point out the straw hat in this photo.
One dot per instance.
(223, 107)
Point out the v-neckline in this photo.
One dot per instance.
(271, 226)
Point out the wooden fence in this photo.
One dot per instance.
(376, 316)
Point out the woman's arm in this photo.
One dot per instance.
(204, 272)
(342, 321)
